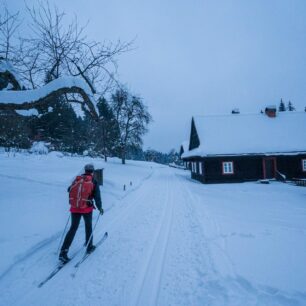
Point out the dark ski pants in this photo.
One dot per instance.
(75, 221)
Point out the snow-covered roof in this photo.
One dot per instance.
(23, 96)
(250, 134)
(185, 145)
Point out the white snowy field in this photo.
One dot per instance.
(172, 241)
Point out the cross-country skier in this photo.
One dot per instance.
(82, 192)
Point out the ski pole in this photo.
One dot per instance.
(91, 235)
(62, 238)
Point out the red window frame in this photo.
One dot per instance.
(303, 163)
(228, 173)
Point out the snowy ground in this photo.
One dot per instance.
(172, 241)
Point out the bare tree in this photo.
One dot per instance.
(54, 49)
(66, 50)
(132, 117)
(9, 24)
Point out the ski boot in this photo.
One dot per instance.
(90, 249)
(63, 256)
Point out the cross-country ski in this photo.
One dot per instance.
(58, 267)
(61, 265)
(86, 255)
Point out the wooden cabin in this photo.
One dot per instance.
(247, 147)
(184, 148)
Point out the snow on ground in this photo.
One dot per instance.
(172, 241)
(35, 198)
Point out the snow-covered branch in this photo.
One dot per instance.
(28, 99)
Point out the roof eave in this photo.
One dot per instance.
(244, 154)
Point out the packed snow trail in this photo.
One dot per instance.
(162, 250)
(148, 281)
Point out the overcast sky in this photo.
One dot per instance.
(201, 57)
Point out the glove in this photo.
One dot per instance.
(101, 211)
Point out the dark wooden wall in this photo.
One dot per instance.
(291, 166)
(247, 168)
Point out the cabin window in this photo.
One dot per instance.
(193, 167)
(200, 168)
(304, 164)
(228, 167)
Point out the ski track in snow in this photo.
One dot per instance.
(233, 289)
(148, 283)
(32, 251)
(31, 180)
(159, 252)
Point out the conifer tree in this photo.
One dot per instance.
(282, 106)
(14, 132)
(290, 107)
(107, 134)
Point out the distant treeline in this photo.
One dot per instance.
(122, 122)
(155, 156)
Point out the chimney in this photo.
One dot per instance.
(235, 111)
(270, 111)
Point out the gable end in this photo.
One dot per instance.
(194, 137)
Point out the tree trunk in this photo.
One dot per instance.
(123, 155)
